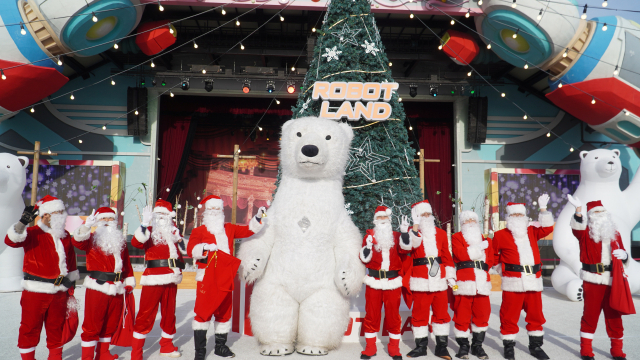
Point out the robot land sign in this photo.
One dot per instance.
(367, 98)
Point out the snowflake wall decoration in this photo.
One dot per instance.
(331, 54)
(364, 160)
(346, 35)
(370, 48)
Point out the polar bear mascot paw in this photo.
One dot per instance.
(305, 261)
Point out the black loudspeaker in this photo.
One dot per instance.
(477, 120)
(137, 100)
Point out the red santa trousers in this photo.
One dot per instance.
(512, 305)
(150, 297)
(40, 309)
(596, 300)
(101, 316)
(468, 309)
(423, 301)
(205, 311)
(374, 300)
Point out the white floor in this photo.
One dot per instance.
(561, 339)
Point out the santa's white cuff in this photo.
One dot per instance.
(450, 272)
(139, 336)
(369, 335)
(366, 259)
(416, 239)
(130, 281)
(140, 236)
(255, 226)
(420, 332)
(73, 275)
(166, 336)
(578, 225)
(196, 325)
(586, 335)
(440, 329)
(394, 336)
(223, 327)
(15, 236)
(460, 333)
(404, 246)
(197, 251)
(82, 233)
(545, 218)
(89, 343)
(508, 336)
(26, 351)
(105, 340)
(478, 329)
(475, 253)
(536, 333)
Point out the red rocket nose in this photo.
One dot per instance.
(27, 84)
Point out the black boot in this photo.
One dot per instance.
(535, 343)
(585, 357)
(221, 348)
(509, 349)
(200, 340)
(441, 347)
(476, 345)
(421, 348)
(463, 353)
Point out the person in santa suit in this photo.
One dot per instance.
(433, 271)
(214, 235)
(596, 238)
(158, 236)
(110, 275)
(50, 274)
(383, 252)
(517, 257)
(473, 255)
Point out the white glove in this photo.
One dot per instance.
(543, 200)
(451, 282)
(415, 218)
(91, 219)
(620, 254)
(210, 247)
(176, 232)
(404, 226)
(574, 201)
(147, 215)
(483, 245)
(369, 242)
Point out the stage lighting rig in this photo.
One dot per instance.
(413, 90)
(208, 85)
(271, 86)
(433, 90)
(291, 87)
(246, 86)
(185, 84)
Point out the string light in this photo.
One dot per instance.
(33, 110)
(453, 22)
(515, 34)
(293, 68)
(313, 30)
(616, 72)
(411, 16)
(489, 45)
(160, 7)
(4, 77)
(113, 81)
(59, 61)
(440, 47)
(277, 101)
(115, 45)
(136, 112)
(281, 18)
(525, 116)
(237, 22)
(604, 27)
(224, 12)
(390, 63)
(627, 113)
(49, 151)
(104, 127)
(593, 100)
(259, 128)
(514, 4)
(72, 97)
(152, 64)
(195, 45)
(171, 93)
(503, 94)
(22, 30)
(94, 18)
(526, 65)
(399, 99)
(241, 46)
(540, 15)
(170, 30)
(410, 128)
(605, 3)
(469, 73)
(584, 12)
(479, 2)
(560, 85)
(204, 71)
(468, 13)
(418, 153)
(548, 134)
(571, 149)
(80, 141)
(566, 52)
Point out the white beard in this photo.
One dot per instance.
(214, 221)
(384, 234)
(602, 227)
(518, 226)
(428, 227)
(162, 229)
(57, 224)
(108, 238)
(471, 233)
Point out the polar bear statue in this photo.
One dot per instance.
(305, 260)
(599, 180)
(13, 178)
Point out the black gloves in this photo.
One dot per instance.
(29, 214)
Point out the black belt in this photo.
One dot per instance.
(382, 274)
(429, 260)
(103, 277)
(527, 269)
(60, 280)
(478, 264)
(170, 263)
(598, 268)
(202, 261)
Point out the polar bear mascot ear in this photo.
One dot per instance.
(24, 161)
(348, 130)
(583, 154)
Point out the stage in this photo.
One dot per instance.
(561, 338)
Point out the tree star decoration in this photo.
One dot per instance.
(305, 106)
(346, 35)
(364, 160)
(397, 210)
(331, 53)
(370, 48)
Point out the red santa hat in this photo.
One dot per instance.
(382, 211)
(105, 212)
(420, 208)
(211, 201)
(164, 207)
(595, 206)
(49, 204)
(516, 208)
(468, 215)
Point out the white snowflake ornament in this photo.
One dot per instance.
(331, 54)
(370, 48)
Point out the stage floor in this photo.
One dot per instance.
(561, 339)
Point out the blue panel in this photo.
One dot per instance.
(617, 134)
(629, 127)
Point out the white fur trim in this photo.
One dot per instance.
(223, 327)
(536, 333)
(545, 218)
(475, 253)
(394, 336)
(255, 226)
(597, 208)
(50, 206)
(59, 246)
(387, 212)
(26, 351)
(82, 233)
(89, 343)
(421, 208)
(366, 335)
(516, 209)
(461, 334)
(142, 238)
(586, 335)
(416, 240)
(522, 284)
(478, 329)
(106, 215)
(601, 279)
(195, 325)
(14, 236)
(420, 332)
(406, 247)
(163, 210)
(162, 279)
(440, 329)
(137, 335)
(576, 225)
(130, 281)
(211, 203)
(386, 261)
(508, 336)
(383, 284)
(200, 274)
(525, 252)
(450, 272)
(166, 336)
(74, 275)
(366, 259)
(479, 286)
(105, 340)
(197, 251)
(42, 287)
(468, 215)
(114, 289)
(428, 285)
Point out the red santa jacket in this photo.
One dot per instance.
(45, 256)
(201, 236)
(163, 251)
(390, 259)
(525, 251)
(97, 260)
(471, 281)
(592, 252)
(426, 246)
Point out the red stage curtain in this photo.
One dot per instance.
(435, 139)
(174, 144)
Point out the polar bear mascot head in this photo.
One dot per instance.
(315, 148)
(600, 165)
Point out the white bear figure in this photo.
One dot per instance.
(13, 179)
(306, 257)
(599, 180)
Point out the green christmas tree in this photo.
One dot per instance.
(381, 169)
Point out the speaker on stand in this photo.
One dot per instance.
(477, 120)
(137, 101)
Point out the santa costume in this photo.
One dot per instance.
(212, 236)
(432, 272)
(597, 238)
(473, 255)
(516, 248)
(110, 274)
(383, 252)
(50, 273)
(158, 236)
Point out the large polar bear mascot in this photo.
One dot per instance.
(599, 180)
(13, 178)
(306, 258)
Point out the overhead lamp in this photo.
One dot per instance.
(410, 128)
(584, 12)
(22, 30)
(399, 99)
(548, 134)
(208, 85)
(246, 86)
(293, 68)
(433, 90)
(104, 127)
(185, 84)
(571, 149)
(270, 86)
(291, 87)
(170, 29)
(94, 18)
(525, 117)
(413, 90)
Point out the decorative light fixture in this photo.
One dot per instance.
(237, 22)
(413, 90)
(453, 22)
(170, 30)
(241, 46)
(94, 18)
(515, 34)
(104, 127)
(223, 12)
(72, 97)
(566, 52)
(605, 3)
(22, 30)
(49, 151)
(489, 45)
(136, 112)
(115, 45)
(593, 100)
(171, 93)
(525, 116)
(604, 27)
(410, 16)
(548, 134)
(410, 128)
(4, 77)
(185, 84)
(281, 18)
(615, 71)
(208, 85)
(291, 87)
(399, 99)
(440, 47)
(470, 73)
(479, 2)
(152, 64)
(514, 4)
(293, 68)
(246, 86)
(571, 149)
(260, 128)
(390, 64)
(33, 110)
(204, 71)
(271, 86)
(540, 15)
(160, 7)
(113, 82)
(584, 12)
(559, 85)
(313, 29)
(277, 101)
(59, 61)
(503, 94)
(468, 13)
(195, 45)
(526, 65)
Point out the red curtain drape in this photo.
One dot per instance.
(435, 139)
(173, 137)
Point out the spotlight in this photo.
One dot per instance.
(584, 12)
(548, 134)
(246, 86)
(291, 87)
(470, 73)
(163, 83)
(413, 90)
(208, 85)
(170, 29)
(277, 101)
(433, 90)
(185, 84)
(440, 47)
(270, 86)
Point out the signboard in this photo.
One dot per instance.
(371, 100)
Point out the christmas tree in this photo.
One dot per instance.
(381, 169)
